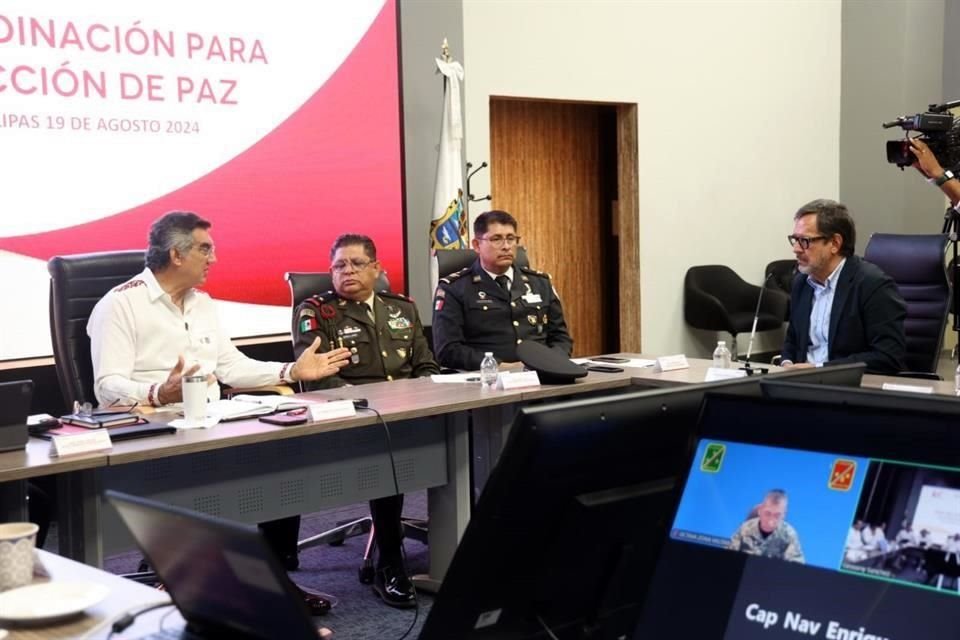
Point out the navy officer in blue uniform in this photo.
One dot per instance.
(494, 305)
(386, 340)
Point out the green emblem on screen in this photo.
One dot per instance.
(713, 457)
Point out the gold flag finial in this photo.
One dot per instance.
(445, 50)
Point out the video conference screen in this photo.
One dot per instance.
(771, 543)
(279, 122)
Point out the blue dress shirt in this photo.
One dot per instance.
(819, 350)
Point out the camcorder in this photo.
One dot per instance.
(938, 128)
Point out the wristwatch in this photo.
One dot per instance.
(947, 176)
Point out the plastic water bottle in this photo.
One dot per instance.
(721, 355)
(488, 371)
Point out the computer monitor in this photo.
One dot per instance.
(860, 396)
(565, 535)
(847, 375)
(768, 540)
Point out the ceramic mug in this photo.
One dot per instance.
(17, 540)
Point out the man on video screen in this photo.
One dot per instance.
(766, 533)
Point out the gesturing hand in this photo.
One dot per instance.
(172, 390)
(313, 366)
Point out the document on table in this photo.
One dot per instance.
(630, 362)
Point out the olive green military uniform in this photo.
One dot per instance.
(783, 542)
(389, 346)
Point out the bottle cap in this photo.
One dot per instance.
(487, 353)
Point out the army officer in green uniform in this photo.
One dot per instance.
(385, 337)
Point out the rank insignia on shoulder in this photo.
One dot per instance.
(477, 278)
(448, 279)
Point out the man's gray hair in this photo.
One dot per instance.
(172, 230)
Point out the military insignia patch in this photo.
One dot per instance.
(398, 323)
(327, 311)
(402, 353)
(441, 293)
(532, 320)
(438, 306)
(476, 278)
(308, 324)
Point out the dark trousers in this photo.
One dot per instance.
(388, 529)
(282, 535)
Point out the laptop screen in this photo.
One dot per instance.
(801, 520)
(220, 574)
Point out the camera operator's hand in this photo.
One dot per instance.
(929, 166)
(926, 162)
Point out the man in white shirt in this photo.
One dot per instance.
(148, 333)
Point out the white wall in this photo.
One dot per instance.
(739, 107)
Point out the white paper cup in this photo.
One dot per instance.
(17, 540)
(194, 399)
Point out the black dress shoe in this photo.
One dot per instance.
(394, 587)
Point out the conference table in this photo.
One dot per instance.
(252, 471)
(445, 439)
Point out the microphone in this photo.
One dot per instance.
(753, 332)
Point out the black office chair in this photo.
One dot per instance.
(715, 298)
(916, 264)
(302, 286)
(781, 274)
(77, 282)
(453, 260)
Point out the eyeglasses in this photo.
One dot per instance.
(358, 264)
(499, 241)
(804, 242)
(206, 249)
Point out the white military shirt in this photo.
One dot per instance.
(137, 332)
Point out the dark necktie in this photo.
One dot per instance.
(504, 282)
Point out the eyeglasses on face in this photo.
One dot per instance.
(206, 249)
(499, 241)
(804, 241)
(357, 264)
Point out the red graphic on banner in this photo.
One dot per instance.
(334, 166)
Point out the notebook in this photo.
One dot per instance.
(15, 400)
(812, 519)
(222, 576)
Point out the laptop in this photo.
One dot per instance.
(813, 519)
(15, 400)
(221, 575)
